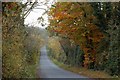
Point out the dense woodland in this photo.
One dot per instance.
(88, 34)
(21, 44)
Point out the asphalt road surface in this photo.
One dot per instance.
(49, 70)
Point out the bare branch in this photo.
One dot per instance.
(40, 8)
(29, 10)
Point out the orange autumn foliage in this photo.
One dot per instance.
(75, 21)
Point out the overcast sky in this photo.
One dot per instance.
(35, 14)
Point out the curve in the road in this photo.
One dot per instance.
(49, 70)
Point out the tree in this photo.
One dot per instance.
(114, 48)
(108, 15)
(76, 21)
(20, 48)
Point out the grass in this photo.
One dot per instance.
(31, 71)
(82, 71)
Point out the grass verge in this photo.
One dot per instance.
(31, 71)
(82, 71)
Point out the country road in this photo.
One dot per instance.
(49, 70)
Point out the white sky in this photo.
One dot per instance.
(35, 14)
